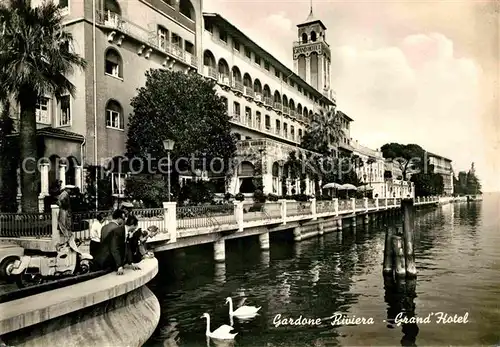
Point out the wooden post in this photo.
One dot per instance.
(408, 210)
(399, 256)
(388, 262)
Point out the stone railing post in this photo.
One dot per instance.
(377, 204)
(336, 206)
(55, 232)
(170, 219)
(353, 205)
(313, 209)
(395, 201)
(365, 204)
(238, 214)
(283, 211)
(386, 203)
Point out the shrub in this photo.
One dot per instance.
(240, 197)
(259, 196)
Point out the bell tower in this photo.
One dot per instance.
(311, 54)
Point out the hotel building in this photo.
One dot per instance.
(442, 166)
(120, 42)
(270, 105)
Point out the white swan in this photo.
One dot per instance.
(243, 311)
(221, 333)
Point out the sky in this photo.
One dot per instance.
(423, 72)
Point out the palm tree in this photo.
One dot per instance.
(35, 60)
(325, 131)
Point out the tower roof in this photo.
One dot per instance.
(311, 20)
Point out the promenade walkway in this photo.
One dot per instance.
(179, 223)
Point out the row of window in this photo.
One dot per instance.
(43, 111)
(114, 113)
(223, 37)
(256, 122)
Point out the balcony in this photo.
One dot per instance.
(115, 21)
(286, 110)
(210, 72)
(237, 86)
(248, 91)
(235, 117)
(223, 79)
(191, 59)
(277, 106)
(258, 97)
(150, 40)
(293, 114)
(268, 101)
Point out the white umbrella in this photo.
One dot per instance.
(331, 185)
(365, 188)
(347, 186)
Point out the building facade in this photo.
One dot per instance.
(442, 166)
(269, 104)
(120, 41)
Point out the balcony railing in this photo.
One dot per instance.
(268, 101)
(25, 224)
(191, 59)
(278, 106)
(237, 86)
(223, 79)
(249, 91)
(210, 72)
(286, 110)
(258, 97)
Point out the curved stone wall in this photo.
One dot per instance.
(107, 311)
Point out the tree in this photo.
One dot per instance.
(35, 58)
(409, 158)
(473, 184)
(324, 132)
(186, 109)
(8, 160)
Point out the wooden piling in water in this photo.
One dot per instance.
(399, 256)
(408, 210)
(388, 263)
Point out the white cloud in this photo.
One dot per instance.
(416, 92)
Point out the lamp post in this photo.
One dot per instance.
(169, 146)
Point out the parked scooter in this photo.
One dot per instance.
(36, 269)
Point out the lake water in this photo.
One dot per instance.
(458, 259)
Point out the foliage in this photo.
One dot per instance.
(467, 183)
(35, 58)
(272, 197)
(199, 124)
(324, 132)
(196, 193)
(104, 197)
(9, 157)
(427, 184)
(153, 196)
(408, 158)
(259, 196)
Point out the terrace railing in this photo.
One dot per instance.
(25, 225)
(171, 218)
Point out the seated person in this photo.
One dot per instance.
(138, 243)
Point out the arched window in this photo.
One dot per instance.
(114, 115)
(313, 36)
(113, 65)
(304, 38)
(186, 8)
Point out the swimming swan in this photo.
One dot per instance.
(243, 311)
(221, 333)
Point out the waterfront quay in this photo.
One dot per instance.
(180, 227)
(183, 226)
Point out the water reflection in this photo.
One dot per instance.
(399, 296)
(220, 273)
(340, 272)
